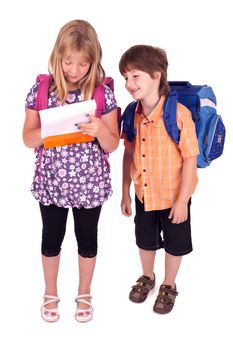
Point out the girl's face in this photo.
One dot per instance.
(140, 84)
(75, 67)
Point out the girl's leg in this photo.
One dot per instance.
(50, 268)
(172, 265)
(86, 271)
(86, 227)
(54, 224)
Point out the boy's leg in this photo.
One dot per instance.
(148, 240)
(146, 282)
(147, 260)
(167, 292)
(177, 242)
(172, 265)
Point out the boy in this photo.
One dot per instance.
(164, 174)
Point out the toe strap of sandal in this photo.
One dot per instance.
(52, 299)
(80, 297)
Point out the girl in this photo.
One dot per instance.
(74, 176)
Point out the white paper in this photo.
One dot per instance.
(65, 119)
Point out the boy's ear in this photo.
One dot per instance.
(157, 75)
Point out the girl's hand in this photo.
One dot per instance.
(105, 129)
(126, 206)
(93, 128)
(179, 212)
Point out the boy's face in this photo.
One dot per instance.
(141, 85)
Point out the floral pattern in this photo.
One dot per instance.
(76, 175)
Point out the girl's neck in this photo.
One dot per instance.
(72, 87)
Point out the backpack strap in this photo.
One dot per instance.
(44, 81)
(128, 121)
(169, 116)
(99, 97)
(109, 82)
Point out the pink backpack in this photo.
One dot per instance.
(45, 81)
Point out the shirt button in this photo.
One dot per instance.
(144, 170)
(143, 155)
(143, 139)
(145, 185)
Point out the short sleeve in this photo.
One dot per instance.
(188, 144)
(110, 101)
(31, 97)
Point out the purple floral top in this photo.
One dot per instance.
(76, 175)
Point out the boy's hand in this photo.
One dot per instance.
(179, 212)
(126, 206)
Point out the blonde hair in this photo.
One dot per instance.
(148, 59)
(77, 36)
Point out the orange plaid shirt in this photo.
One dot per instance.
(156, 168)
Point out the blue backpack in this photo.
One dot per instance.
(201, 102)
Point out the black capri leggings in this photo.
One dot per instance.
(54, 220)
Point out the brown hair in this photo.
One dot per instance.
(77, 36)
(148, 59)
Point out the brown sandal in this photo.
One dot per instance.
(165, 299)
(141, 289)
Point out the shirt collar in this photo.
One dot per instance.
(155, 114)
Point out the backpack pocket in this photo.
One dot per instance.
(215, 138)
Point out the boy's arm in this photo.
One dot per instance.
(126, 199)
(179, 211)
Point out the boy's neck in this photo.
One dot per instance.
(148, 106)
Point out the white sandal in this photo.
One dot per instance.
(50, 315)
(83, 315)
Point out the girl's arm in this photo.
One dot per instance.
(179, 211)
(31, 129)
(105, 129)
(126, 199)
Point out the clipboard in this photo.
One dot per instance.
(60, 125)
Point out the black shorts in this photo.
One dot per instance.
(176, 238)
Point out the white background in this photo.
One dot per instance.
(198, 40)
